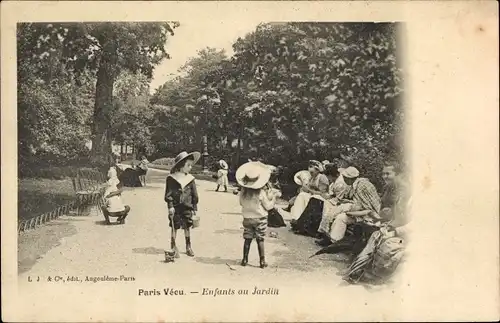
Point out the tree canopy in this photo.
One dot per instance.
(102, 50)
(293, 92)
(290, 92)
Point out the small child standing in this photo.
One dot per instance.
(256, 199)
(222, 179)
(182, 199)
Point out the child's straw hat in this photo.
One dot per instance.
(183, 155)
(253, 175)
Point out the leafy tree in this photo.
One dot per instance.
(295, 91)
(103, 48)
(132, 112)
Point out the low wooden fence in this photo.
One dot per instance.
(89, 189)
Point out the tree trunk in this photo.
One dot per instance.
(238, 149)
(101, 131)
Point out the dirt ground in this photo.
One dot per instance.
(86, 247)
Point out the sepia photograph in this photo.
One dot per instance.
(170, 162)
(291, 135)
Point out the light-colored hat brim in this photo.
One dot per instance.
(223, 164)
(296, 177)
(343, 172)
(196, 157)
(262, 180)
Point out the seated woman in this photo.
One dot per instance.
(306, 211)
(386, 247)
(363, 205)
(315, 186)
(114, 206)
(332, 205)
(130, 177)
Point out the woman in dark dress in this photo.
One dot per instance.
(317, 188)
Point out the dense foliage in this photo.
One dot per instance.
(291, 92)
(63, 51)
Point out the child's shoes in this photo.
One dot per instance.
(244, 262)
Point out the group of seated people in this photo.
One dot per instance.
(343, 210)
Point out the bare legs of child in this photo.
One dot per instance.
(246, 251)
(218, 186)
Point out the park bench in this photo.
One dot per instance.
(89, 186)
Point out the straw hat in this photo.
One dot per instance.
(349, 172)
(253, 175)
(223, 164)
(300, 176)
(183, 155)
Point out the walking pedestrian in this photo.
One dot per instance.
(222, 179)
(182, 200)
(256, 199)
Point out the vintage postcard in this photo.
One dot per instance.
(250, 161)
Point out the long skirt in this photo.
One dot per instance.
(330, 212)
(308, 222)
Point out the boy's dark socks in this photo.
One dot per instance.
(246, 251)
(189, 251)
(260, 245)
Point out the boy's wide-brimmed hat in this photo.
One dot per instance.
(349, 172)
(300, 176)
(223, 164)
(253, 175)
(318, 165)
(183, 155)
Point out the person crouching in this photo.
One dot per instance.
(255, 200)
(114, 206)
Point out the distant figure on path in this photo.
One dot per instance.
(222, 179)
(142, 169)
(256, 199)
(182, 200)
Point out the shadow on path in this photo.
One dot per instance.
(148, 251)
(217, 261)
(231, 213)
(230, 231)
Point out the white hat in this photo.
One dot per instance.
(183, 155)
(253, 175)
(349, 172)
(300, 176)
(223, 164)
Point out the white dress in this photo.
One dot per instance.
(222, 177)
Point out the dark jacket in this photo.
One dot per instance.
(178, 198)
